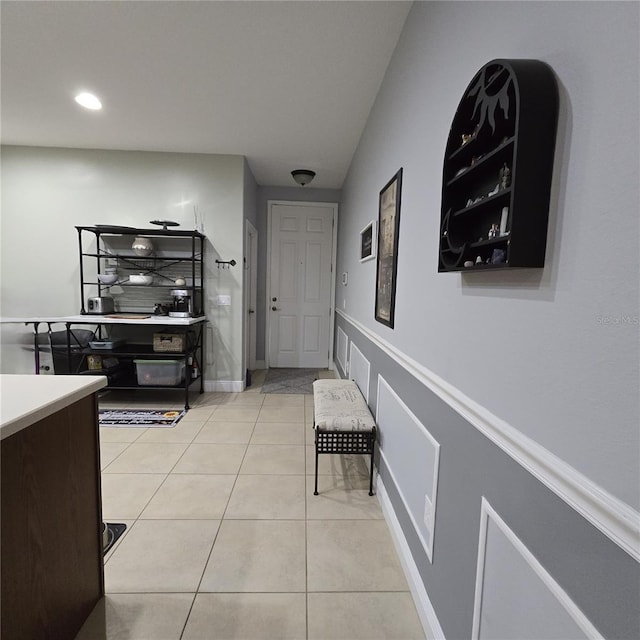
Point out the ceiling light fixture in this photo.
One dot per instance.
(303, 176)
(88, 101)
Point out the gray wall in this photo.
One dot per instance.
(553, 352)
(547, 357)
(295, 194)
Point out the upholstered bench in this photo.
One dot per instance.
(342, 422)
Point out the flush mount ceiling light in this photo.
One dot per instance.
(88, 101)
(303, 176)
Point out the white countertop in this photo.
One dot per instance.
(26, 399)
(99, 319)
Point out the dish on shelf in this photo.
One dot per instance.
(140, 279)
(107, 278)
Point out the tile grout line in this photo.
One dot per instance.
(215, 538)
(204, 568)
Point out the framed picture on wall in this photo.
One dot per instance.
(368, 242)
(387, 263)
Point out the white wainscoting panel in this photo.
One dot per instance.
(341, 350)
(515, 596)
(359, 370)
(409, 452)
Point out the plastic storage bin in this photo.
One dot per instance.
(159, 372)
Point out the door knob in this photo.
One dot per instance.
(251, 311)
(274, 308)
(274, 299)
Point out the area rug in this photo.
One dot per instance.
(289, 380)
(140, 417)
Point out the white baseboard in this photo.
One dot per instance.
(225, 386)
(426, 612)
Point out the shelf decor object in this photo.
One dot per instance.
(368, 242)
(387, 263)
(498, 167)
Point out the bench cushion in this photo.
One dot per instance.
(339, 406)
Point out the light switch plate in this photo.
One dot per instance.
(223, 300)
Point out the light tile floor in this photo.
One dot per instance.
(225, 538)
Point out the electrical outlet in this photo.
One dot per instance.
(428, 512)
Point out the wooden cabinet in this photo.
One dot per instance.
(497, 169)
(52, 567)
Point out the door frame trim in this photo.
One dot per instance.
(250, 294)
(332, 293)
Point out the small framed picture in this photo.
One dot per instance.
(368, 242)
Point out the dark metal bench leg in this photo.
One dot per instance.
(371, 473)
(315, 490)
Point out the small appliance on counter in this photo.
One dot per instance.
(182, 304)
(101, 305)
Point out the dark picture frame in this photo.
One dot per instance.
(368, 242)
(387, 259)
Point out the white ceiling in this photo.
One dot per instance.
(287, 84)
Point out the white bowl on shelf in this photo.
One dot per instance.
(107, 278)
(140, 279)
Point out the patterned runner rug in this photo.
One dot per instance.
(289, 380)
(140, 417)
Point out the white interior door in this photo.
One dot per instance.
(250, 289)
(300, 285)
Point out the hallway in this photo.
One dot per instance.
(225, 539)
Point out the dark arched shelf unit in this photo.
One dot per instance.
(498, 165)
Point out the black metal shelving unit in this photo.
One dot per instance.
(174, 252)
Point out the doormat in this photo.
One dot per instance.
(113, 532)
(140, 417)
(289, 381)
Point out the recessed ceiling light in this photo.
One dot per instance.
(88, 101)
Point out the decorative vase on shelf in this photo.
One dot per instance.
(142, 246)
